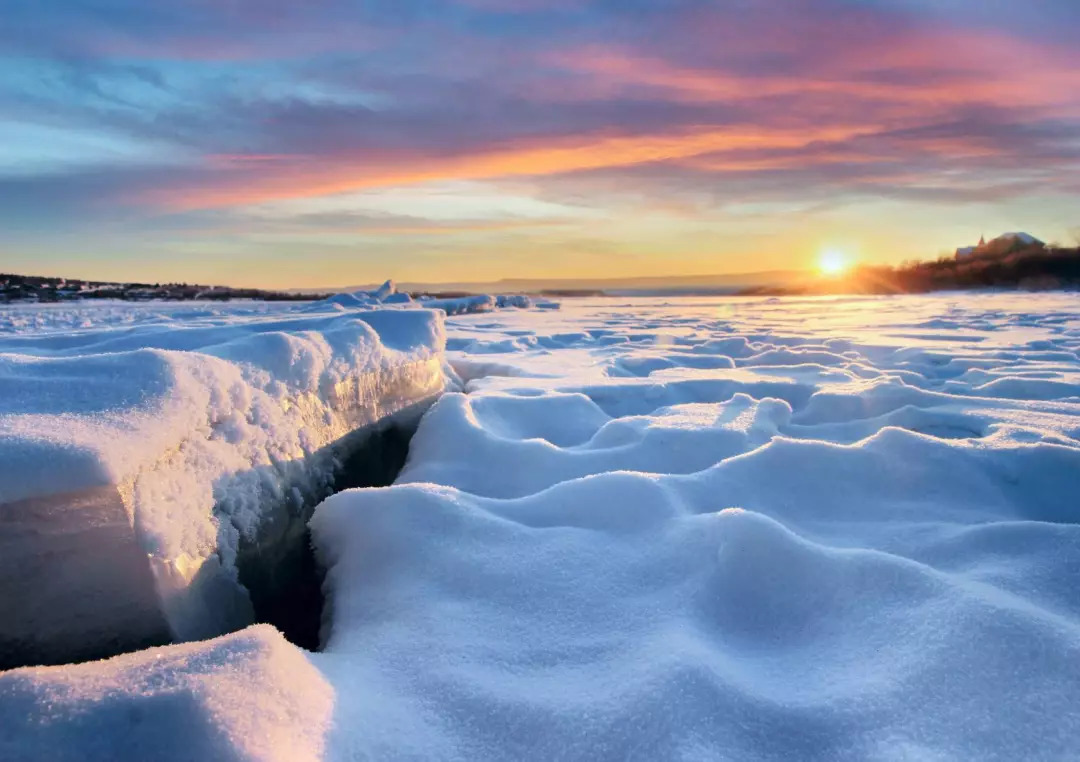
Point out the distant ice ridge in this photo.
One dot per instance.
(134, 461)
(387, 294)
(835, 529)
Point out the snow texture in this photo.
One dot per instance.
(840, 528)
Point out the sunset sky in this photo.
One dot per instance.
(272, 143)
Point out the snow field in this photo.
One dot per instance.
(676, 529)
(799, 530)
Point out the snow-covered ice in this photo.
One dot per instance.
(836, 528)
(141, 456)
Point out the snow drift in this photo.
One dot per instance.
(799, 530)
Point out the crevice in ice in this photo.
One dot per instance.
(278, 566)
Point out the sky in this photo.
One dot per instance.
(282, 144)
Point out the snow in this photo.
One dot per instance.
(250, 695)
(785, 528)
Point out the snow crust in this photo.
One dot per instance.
(695, 529)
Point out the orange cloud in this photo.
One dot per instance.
(277, 180)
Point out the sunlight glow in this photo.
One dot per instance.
(833, 263)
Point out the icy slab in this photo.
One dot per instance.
(163, 448)
(463, 305)
(521, 301)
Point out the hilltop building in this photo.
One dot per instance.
(1003, 244)
(967, 251)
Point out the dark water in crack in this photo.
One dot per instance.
(279, 568)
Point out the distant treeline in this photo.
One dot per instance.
(36, 288)
(1034, 268)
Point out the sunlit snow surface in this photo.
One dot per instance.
(673, 529)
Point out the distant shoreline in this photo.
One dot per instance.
(1023, 268)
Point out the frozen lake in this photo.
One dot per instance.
(648, 528)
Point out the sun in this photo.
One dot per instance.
(833, 263)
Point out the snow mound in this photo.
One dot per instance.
(249, 695)
(627, 614)
(505, 433)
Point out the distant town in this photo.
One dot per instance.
(33, 288)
